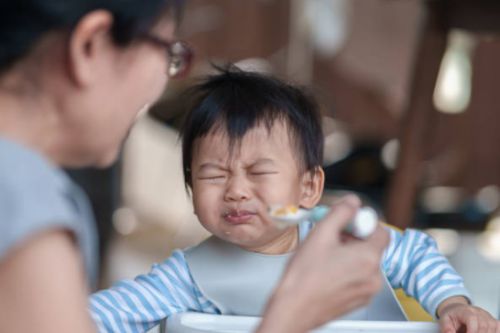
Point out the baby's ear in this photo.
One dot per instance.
(312, 185)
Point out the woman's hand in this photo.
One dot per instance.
(327, 277)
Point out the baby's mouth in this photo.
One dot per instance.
(238, 216)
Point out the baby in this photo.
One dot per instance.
(249, 142)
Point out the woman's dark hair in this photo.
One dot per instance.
(24, 22)
(236, 101)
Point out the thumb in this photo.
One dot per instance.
(343, 210)
(379, 239)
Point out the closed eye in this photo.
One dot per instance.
(212, 177)
(263, 173)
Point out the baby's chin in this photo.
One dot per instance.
(241, 240)
(255, 245)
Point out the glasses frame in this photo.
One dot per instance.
(180, 55)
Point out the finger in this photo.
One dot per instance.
(374, 284)
(483, 325)
(341, 213)
(491, 324)
(379, 239)
(491, 327)
(472, 325)
(446, 325)
(372, 248)
(348, 197)
(359, 294)
(343, 210)
(346, 237)
(363, 265)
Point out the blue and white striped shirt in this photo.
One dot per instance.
(411, 261)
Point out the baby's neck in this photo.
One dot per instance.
(287, 242)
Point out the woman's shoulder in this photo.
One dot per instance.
(36, 196)
(21, 166)
(30, 186)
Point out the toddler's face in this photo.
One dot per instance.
(232, 192)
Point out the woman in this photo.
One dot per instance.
(73, 76)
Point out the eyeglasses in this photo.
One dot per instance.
(180, 55)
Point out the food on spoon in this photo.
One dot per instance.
(285, 210)
(362, 225)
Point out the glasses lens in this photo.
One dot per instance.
(180, 59)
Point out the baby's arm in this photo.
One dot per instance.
(413, 262)
(139, 304)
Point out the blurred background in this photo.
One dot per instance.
(409, 91)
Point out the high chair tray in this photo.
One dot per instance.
(203, 323)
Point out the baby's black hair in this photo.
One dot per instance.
(237, 101)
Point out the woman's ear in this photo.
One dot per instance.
(313, 182)
(88, 43)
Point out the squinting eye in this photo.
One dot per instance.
(263, 173)
(213, 178)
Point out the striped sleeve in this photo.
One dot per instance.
(413, 262)
(140, 304)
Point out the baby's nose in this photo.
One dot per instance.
(237, 190)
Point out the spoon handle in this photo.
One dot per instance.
(319, 212)
(362, 226)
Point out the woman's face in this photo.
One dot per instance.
(129, 79)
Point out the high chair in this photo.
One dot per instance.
(411, 307)
(191, 322)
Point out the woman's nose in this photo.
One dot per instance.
(237, 190)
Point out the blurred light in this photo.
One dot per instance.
(338, 144)
(328, 24)
(258, 65)
(442, 199)
(390, 153)
(299, 51)
(488, 198)
(489, 245)
(453, 86)
(494, 224)
(447, 240)
(125, 221)
(489, 241)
